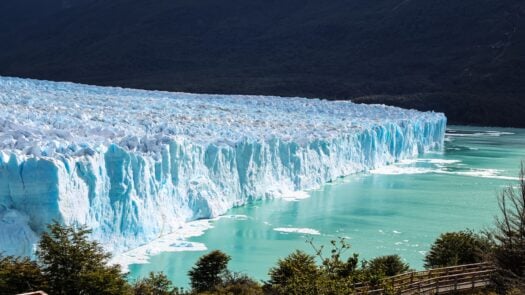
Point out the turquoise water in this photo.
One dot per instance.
(400, 209)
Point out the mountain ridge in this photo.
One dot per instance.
(405, 53)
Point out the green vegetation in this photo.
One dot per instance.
(68, 263)
(299, 274)
(295, 274)
(155, 284)
(457, 248)
(71, 264)
(389, 265)
(20, 275)
(209, 271)
(239, 284)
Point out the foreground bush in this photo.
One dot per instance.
(19, 275)
(389, 265)
(238, 284)
(300, 274)
(155, 284)
(295, 274)
(457, 248)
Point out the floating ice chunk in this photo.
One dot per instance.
(307, 231)
(439, 166)
(451, 133)
(174, 242)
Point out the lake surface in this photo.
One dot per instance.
(400, 209)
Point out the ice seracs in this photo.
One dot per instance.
(135, 165)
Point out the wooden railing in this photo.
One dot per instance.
(436, 281)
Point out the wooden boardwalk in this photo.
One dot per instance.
(438, 281)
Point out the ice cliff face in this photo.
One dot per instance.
(133, 165)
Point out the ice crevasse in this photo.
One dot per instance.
(134, 165)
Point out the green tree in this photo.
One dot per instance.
(18, 275)
(509, 255)
(295, 274)
(238, 284)
(456, 248)
(389, 265)
(209, 271)
(155, 284)
(72, 264)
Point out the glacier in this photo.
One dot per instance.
(135, 165)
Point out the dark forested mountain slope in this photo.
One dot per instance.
(466, 58)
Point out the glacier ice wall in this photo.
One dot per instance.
(134, 165)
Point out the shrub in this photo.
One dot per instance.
(154, 284)
(299, 274)
(209, 271)
(456, 248)
(18, 275)
(334, 266)
(238, 284)
(389, 265)
(295, 274)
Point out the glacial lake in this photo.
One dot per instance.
(400, 209)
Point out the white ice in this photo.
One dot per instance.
(135, 166)
(307, 231)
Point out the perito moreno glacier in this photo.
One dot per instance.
(134, 165)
